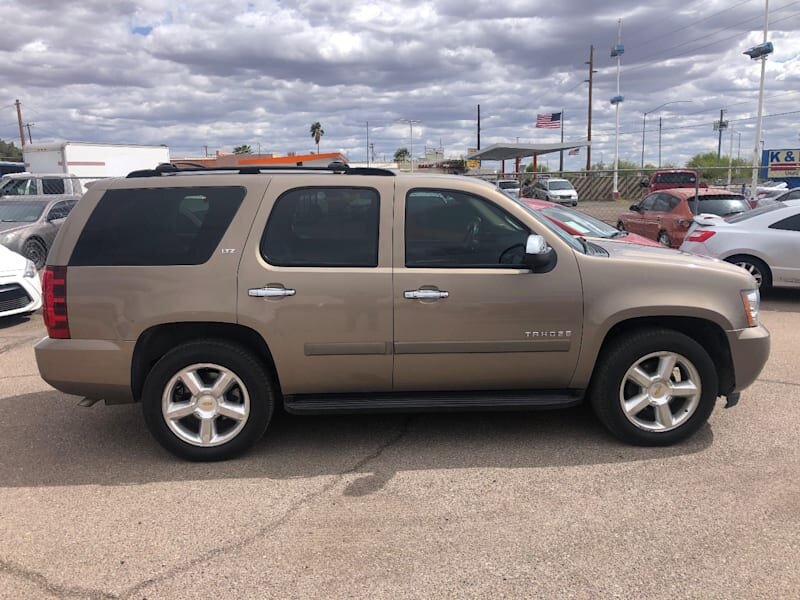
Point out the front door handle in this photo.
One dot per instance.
(425, 294)
(270, 292)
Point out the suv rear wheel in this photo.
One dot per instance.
(207, 400)
(654, 387)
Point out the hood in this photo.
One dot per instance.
(9, 227)
(11, 262)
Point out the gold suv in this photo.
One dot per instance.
(216, 297)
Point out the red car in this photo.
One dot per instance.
(666, 215)
(580, 224)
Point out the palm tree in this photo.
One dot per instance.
(243, 149)
(402, 155)
(317, 132)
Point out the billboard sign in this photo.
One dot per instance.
(781, 164)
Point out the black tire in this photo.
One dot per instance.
(36, 252)
(623, 353)
(663, 238)
(756, 267)
(233, 357)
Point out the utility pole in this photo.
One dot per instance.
(722, 126)
(30, 139)
(19, 120)
(561, 152)
(590, 62)
(367, 143)
(617, 52)
(479, 126)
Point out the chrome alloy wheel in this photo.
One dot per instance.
(660, 392)
(752, 269)
(205, 405)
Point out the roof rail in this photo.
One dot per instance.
(334, 167)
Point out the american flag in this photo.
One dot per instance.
(548, 121)
(574, 151)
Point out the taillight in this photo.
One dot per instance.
(54, 287)
(700, 235)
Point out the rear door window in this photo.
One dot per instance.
(788, 224)
(158, 226)
(52, 185)
(323, 227)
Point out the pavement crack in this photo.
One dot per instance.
(276, 523)
(792, 383)
(45, 584)
(17, 343)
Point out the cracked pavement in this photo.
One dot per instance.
(467, 505)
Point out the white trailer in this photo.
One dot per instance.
(89, 161)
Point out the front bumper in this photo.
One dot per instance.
(749, 352)
(19, 294)
(91, 368)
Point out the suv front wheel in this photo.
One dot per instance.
(207, 400)
(654, 387)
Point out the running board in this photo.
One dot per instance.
(311, 404)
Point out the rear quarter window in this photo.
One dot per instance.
(156, 226)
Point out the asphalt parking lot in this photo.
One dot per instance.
(458, 505)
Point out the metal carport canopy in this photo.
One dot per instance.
(512, 151)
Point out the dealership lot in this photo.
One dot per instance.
(459, 505)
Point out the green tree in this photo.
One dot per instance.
(243, 149)
(710, 167)
(8, 151)
(317, 132)
(540, 168)
(402, 155)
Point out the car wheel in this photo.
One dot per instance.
(574, 203)
(208, 400)
(35, 251)
(654, 387)
(663, 238)
(756, 267)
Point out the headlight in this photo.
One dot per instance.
(751, 300)
(7, 238)
(30, 269)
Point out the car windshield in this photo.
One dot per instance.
(570, 239)
(682, 178)
(508, 185)
(560, 185)
(722, 205)
(767, 208)
(580, 222)
(19, 211)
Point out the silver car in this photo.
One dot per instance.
(28, 226)
(765, 241)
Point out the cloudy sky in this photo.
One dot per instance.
(215, 74)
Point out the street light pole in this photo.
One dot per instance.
(756, 158)
(644, 120)
(411, 138)
(617, 52)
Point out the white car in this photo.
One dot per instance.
(765, 241)
(20, 287)
(509, 186)
(556, 190)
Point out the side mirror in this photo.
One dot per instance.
(538, 255)
(634, 207)
(644, 182)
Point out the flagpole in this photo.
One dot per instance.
(561, 152)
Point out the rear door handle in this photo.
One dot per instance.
(425, 294)
(270, 292)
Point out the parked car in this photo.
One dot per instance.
(214, 300)
(29, 225)
(20, 288)
(555, 190)
(41, 184)
(509, 186)
(669, 179)
(579, 224)
(765, 241)
(666, 216)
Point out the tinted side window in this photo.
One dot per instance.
(60, 210)
(464, 231)
(52, 186)
(788, 224)
(647, 203)
(323, 227)
(159, 226)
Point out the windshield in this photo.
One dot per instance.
(569, 239)
(722, 205)
(508, 185)
(757, 211)
(683, 178)
(580, 222)
(19, 211)
(560, 185)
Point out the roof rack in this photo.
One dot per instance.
(338, 167)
